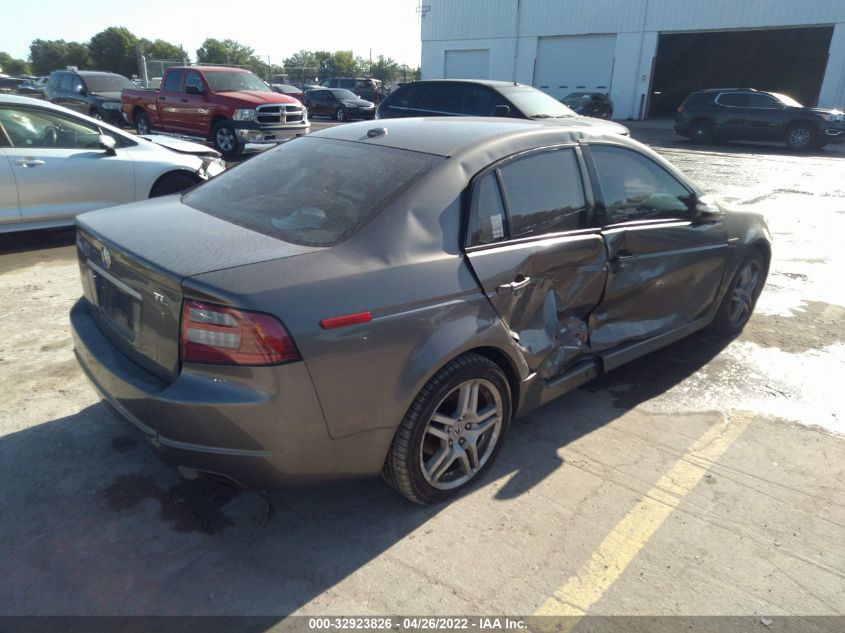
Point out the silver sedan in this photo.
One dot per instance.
(386, 297)
(56, 163)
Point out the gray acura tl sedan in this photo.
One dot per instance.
(386, 297)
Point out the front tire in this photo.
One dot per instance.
(225, 140)
(340, 114)
(742, 294)
(452, 432)
(801, 137)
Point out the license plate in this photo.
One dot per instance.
(120, 308)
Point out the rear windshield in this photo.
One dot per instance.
(312, 191)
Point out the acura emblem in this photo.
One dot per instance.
(106, 257)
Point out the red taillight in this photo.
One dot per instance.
(681, 108)
(348, 319)
(217, 334)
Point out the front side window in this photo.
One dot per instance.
(194, 80)
(312, 191)
(763, 102)
(634, 187)
(544, 193)
(66, 83)
(42, 129)
(77, 86)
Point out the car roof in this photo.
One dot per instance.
(493, 83)
(729, 90)
(456, 136)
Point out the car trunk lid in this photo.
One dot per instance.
(137, 299)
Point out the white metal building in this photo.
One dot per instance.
(647, 54)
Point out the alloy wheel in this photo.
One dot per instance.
(225, 139)
(462, 434)
(799, 138)
(744, 292)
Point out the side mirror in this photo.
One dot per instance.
(81, 90)
(107, 143)
(193, 90)
(706, 211)
(502, 111)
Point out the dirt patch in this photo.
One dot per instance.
(813, 326)
(189, 506)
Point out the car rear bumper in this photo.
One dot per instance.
(259, 427)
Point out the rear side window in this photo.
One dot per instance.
(634, 187)
(696, 99)
(733, 99)
(173, 83)
(312, 191)
(544, 193)
(487, 218)
(440, 97)
(407, 96)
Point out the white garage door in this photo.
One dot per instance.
(574, 62)
(468, 64)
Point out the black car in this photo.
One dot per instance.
(595, 104)
(90, 92)
(339, 103)
(477, 97)
(11, 85)
(721, 114)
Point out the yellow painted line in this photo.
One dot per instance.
(631, 534)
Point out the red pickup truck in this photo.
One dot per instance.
(227, 106)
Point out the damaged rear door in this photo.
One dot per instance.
(528, 244)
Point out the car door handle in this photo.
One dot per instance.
(183, 100)
(162, 99)
(520, 282)
(29, 162)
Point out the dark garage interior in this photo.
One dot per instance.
(791, 61)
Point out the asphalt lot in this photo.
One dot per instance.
(705, 479)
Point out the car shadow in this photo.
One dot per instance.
(746, 147)
(19, 242)
(94, 524)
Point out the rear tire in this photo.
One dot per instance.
(701, 132)
(142, 124)
(173, 183)
(741, 296)
(225, 140)
(452, 432)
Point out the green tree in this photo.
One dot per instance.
(115, 49)
(160, 49)
(49, 55)
(385, 69)
(215, 51)
(12, 66)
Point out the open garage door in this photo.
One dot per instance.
(468, 64)
(791, 61)
(573, 63)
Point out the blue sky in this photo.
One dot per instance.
(390, 27)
